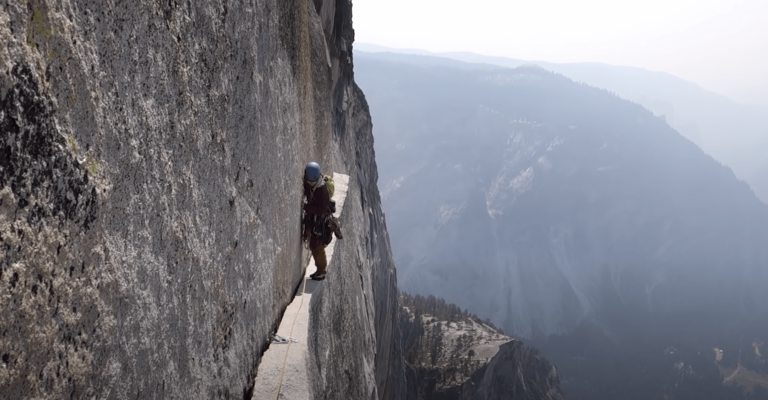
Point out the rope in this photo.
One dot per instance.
(290, 335)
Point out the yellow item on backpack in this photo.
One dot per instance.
(329, 184)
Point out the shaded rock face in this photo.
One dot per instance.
(541, 203)
(150, 165)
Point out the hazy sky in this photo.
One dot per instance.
(720, 44)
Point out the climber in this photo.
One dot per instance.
(318, 221)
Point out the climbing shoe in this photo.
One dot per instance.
(317, 276)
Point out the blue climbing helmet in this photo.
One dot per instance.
(312, 172)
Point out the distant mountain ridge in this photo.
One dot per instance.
(541, 202)
(569, 215)
(734, 134)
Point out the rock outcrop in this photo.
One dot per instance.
(515, 372)
(150, 161)
(452, 354)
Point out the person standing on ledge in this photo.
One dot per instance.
(317, 211)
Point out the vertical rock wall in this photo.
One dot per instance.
(353, 317)
(150, 158)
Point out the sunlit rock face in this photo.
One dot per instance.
(514, 372)
(150, 163)
(541, 203)
(452, 354)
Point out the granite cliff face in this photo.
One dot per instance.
(150, 159)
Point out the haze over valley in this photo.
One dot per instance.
(733, 133)
(567, 214)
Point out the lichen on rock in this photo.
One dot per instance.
(49, 304)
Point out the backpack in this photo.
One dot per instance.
(329, 184)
